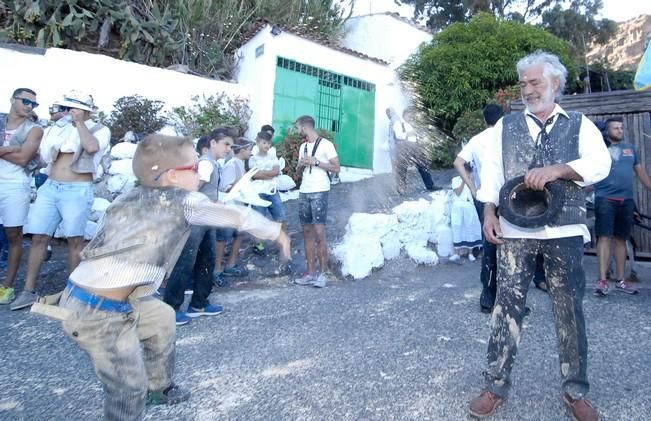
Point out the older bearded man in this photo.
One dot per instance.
(545, 144)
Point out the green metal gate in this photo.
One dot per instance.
(338, 103)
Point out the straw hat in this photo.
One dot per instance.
(77, 99)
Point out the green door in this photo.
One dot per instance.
(340, 104)
(295, 94)
(357, 133)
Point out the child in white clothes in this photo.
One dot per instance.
(466, 228)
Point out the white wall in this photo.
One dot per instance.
(258, 74)
(385, 37)
(105, 78)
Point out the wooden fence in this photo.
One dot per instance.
(635, 110)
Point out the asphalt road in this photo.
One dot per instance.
(406, 343)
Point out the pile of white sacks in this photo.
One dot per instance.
(413, 226)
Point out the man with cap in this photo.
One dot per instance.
(72, 148)
(544, 144)
(20, 140)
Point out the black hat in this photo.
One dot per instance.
(530, 208)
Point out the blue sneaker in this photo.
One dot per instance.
(182, 318)
(209, 310)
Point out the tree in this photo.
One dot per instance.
(466, 64)
(441, 13)
(201, 34)
(578, 26)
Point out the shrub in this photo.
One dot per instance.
(469, 124)
(137, 114)
(289, 148)
(214, 111)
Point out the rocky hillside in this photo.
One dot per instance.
(625, 49)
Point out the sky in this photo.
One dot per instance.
(617, 10)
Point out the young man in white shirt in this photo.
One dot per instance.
(21, 138)
(318, 157)
(544, 144)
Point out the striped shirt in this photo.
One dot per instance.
(113, 272)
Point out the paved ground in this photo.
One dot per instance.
(406, 343)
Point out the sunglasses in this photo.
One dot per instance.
(192, 167)
(28, 102)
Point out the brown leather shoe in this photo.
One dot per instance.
(581, 409)
(485, 404)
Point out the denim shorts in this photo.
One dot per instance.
(14, 204)
(276, 209)
(56, 201)
(613, 218)
(313, 207)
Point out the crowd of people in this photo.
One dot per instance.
(173, 226)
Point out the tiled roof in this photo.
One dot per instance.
(260, 24)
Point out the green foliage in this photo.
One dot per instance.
(202, 34)
(208, 113)
(469, 124)
(441, 13)
(603, 78)
(289, 149)
(137, 114)
(466, 64)
(578, 26)
(140, 30)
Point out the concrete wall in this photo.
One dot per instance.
(56, 71)
(258, 75)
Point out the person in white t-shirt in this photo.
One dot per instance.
(21, 138)
(233, 170)
(473, 153)
(317, 158)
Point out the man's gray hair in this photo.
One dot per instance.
(553, 68)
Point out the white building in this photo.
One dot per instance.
(346, 90)
(387, 36)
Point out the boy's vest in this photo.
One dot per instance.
(144, 227)
(519, 151)
(211, 188)
(82, 161)
(19, 137)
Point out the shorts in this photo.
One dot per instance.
(14, 204)
(56, 201)
(313, 208)
(225, 234)
(613, 218)
(276, 209)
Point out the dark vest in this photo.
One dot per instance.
(144, 227)
(211, 188)
(519, 151)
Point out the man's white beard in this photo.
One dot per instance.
(546, 101)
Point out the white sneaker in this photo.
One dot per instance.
(321, 280)
(454, 258)
(25, 299)
(471, 257)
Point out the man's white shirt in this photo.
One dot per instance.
(593, 165)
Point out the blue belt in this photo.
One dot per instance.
(96, 301)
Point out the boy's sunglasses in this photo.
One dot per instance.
(28, 102)
(192, 167)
